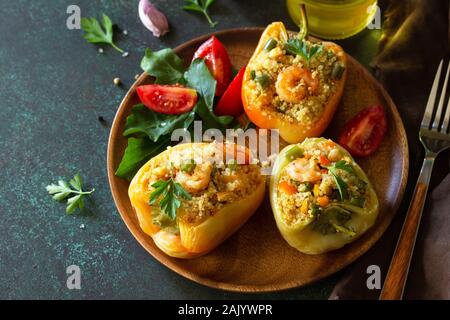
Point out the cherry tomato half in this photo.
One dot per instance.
(230, 104)
(167, 99)
(218, 62)
(362, 135)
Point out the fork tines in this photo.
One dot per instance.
(440, 114)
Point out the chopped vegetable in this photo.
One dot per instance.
(363, 134)
(188, 166)
(263, 80)
(287, 188)
(230, 103)
(94, 33)
(270, 44)
(74, 188)
(338, 70)
(167, 99)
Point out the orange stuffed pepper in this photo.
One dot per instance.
(189, 201)
(293, 84)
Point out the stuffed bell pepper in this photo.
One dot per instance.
(293, 84)
(320, 197)
(191, 197)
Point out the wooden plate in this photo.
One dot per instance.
(256, 258)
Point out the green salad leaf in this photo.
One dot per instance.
(154, 124)
(137, 153)
(94, 33)
(165, 65)
(73, 189)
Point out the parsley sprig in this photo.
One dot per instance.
(202, 7)
(340, 183)
(74, 188)
(168, 193)
(302, 48)
(94, 33)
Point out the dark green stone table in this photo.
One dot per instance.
(53, 88)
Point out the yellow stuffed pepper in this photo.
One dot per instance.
(293, 84)
(191, 197)
(320, 197)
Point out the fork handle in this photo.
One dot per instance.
(394, 284)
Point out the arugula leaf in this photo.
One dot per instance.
(137, 153)
(168, 192)
(154, 124)
(202, 7)
(340, 183)
(94, 33)
(199, 78)
(303, 49)
(63, 190)
(164, 65)
(341, 164)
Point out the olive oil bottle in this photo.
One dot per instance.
(334, 19)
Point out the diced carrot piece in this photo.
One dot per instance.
(287, 188)
(324, 161)
(323, 201)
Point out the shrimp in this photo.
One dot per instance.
(304, 170)
(196, 181)
(294, 83)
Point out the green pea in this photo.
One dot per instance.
(263, 80)
(253, 74)
(270, 44)
(294, 152)
(338, 70)
(188, 166)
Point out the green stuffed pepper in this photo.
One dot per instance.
(320, 197)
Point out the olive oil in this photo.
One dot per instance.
(334, 19)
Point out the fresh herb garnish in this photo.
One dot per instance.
(74, 189)
(94, 33)
(340, 183)
(168, 193)
(302, 48)
(202, 7)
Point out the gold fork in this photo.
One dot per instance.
(435, 138)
